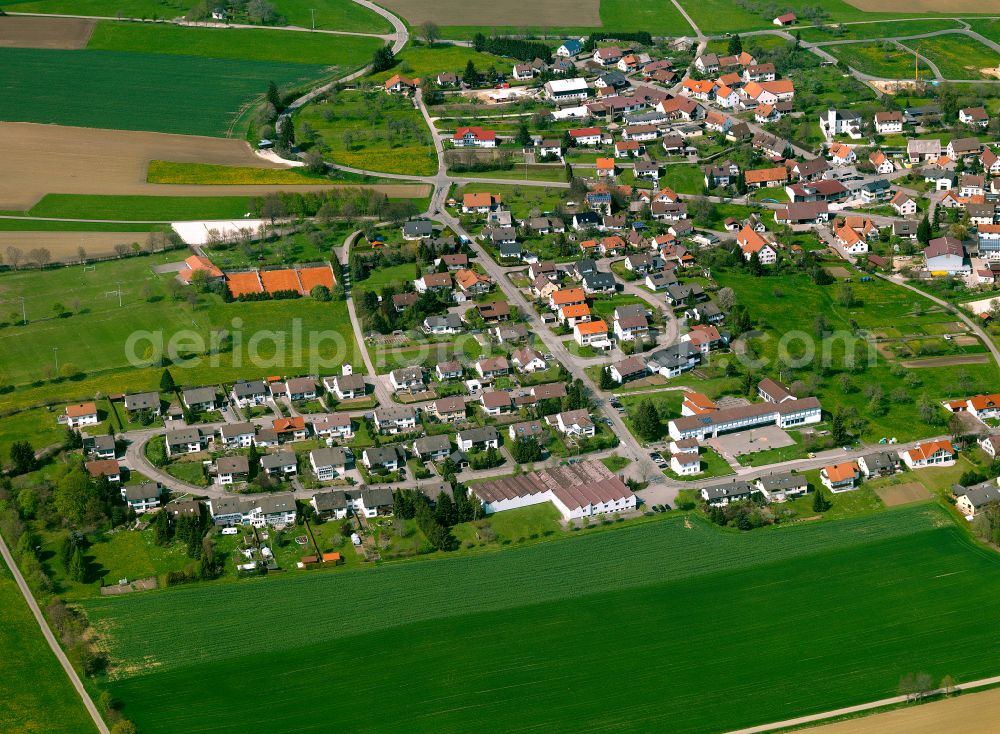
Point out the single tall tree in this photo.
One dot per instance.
(924, 231)
(167, 383)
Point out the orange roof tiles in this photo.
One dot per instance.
(575, 311)
(841, 472)
(81, 409)
(927, 450)
(568, 295)
(592, 327)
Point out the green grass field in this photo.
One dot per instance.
(105, 8)
(870, 599)
(243, 44)
(429, 61)
(37, 225)
(167, 172)
(36, 694)
(102, 355)
(957, 56)
(520, 199)
(659, 17)
(373, 131)
(338, 15)
(876, 30)
(37, 426)
(684, 178)
(877, 305)
(141, 208)
(137, 91)
(880, 59)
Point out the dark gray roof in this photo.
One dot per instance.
(142, 401)
(245, 389)
(879, 460)
(232, 465)
(597, 281)
(334, 456)
(383, 454)
(477, 435)
(980, 495)
(277, 460)
(732, 490)
(144, 491)
(199, 395)
(327, 501)
(183, 435)
(376, 496)
(231, 430)
(432, 444)
(421, 227)
(782, 482)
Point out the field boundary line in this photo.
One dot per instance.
(862, 707)
(88, 702)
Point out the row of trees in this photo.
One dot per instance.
(515, 48)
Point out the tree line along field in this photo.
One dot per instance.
(139, 91)
(92, 337)
(229, 43)
(607, 631)
(35, 694)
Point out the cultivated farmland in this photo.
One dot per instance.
(37, 696)
(508, 13)
(463, 652)
(44, 159)
(65, 246)
(137, 91)
(26, 32)
(253, 44)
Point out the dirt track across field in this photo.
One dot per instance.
(65, 246)
(915, 7)
(508, 12)
(32, 32)
(947, 361)
(970, 713)
(53, 159)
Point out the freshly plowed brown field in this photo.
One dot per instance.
(34, 32)
(52, 159)
(971, 713)
(65, 246)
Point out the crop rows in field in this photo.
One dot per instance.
(136, 91)
(149, 627)
(804, 621)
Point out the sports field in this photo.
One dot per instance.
(140, 91)
(650, 628)
(91, 297)
(35, 694)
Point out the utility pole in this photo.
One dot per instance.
(119, 283)
(312, 13)
(24, 312)
(55, 354)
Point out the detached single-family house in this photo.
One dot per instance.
(476, 439)
(328, 463)
(280, 464)
(248, 394)
(79, 414)
(474, 137)
(841, 477)
(185, 441)
(232, 469)
(144, 402)
(142, 497)
(931, 453)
